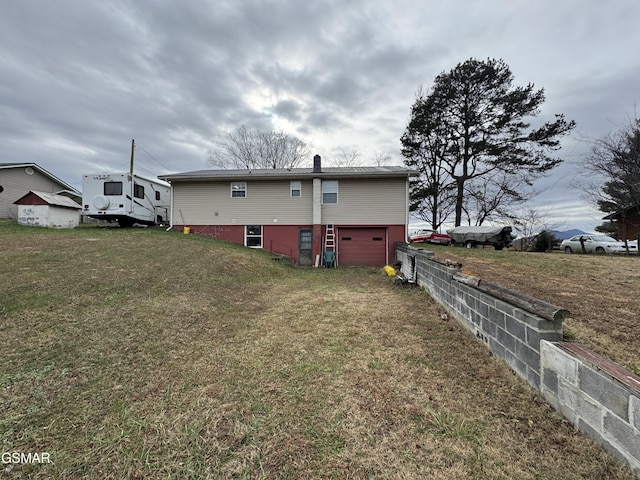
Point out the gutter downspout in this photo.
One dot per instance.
(171, 207)
(407, 211)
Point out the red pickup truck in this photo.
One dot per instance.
(430, 236)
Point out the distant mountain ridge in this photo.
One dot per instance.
(567, 233)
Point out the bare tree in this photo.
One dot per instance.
(616, 158)
(381, 159)
(492, 197)
(352, 158)
(345, 158)
(247, 149)
(530, 221)
(610, 178)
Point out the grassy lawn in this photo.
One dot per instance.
(600, 291)
(138, 353)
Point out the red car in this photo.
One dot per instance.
(430, 236)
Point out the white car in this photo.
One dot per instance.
(595, 243)
(633, 247)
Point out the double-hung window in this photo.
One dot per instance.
(238, 189)
(253, 236)
(330, 191)
(296, 188)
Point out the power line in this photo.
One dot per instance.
(153, 158)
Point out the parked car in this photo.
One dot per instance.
(430, 236)
(594, 244)
(632, 245)
(471, 237)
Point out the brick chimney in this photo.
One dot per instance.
(317, 164)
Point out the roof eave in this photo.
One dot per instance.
(287, 176)
(43, 172)
(614, 215)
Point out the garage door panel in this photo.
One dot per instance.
(362, 246)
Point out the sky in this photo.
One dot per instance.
(81, 78)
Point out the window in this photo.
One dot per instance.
(112, 188)
(296, 188)
(157, 195)
(330, 191)
(253, 236)
(238, 189)
(138, 191)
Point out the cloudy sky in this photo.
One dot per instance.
(81, 78)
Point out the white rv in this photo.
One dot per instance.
(125, 198)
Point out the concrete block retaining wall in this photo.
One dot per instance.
(599, 397)
(510, 331)
(596, 395)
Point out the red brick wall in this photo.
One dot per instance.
(230, 233)
(283, 239)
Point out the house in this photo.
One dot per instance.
(344, 216)
(18, 179)
(627, 221)
(48, 210)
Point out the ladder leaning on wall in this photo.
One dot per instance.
(329, 257)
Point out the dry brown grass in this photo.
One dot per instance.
(145, 354)
(600, 291)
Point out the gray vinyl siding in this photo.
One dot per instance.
(16, 184)
(267, 202)
(368, 202)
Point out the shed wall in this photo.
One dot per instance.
(48, 216)
(16, 183)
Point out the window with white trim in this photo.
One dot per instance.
(330, 191)
(238, 189)
(295, 188)
(253, 236)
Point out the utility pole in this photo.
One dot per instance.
(133, 182)
(133, 144)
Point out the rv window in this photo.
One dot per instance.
(157, 195)
(138, 191)
(113, 188)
